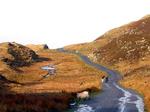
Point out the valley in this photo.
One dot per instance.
(122, 54)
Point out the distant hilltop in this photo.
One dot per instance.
(38, 47)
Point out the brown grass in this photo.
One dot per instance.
(34, 94)
(72, 75)
(126, 49)
(34, 102)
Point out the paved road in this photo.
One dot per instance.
(114, 98)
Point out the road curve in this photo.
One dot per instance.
(114, 98)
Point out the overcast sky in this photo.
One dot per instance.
(62, 22)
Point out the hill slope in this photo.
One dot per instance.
(119, 44)
(126, 49)
(24, 87)
(127, 43)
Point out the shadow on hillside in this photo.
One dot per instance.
(40, 59)
(16, 69)
(45, 102)
(31, 102)
(4, 81)
(21, 63)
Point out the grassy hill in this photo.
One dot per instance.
(23, 87)
(126, 49)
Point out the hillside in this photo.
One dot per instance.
(22, 79)
(119, 44)
(127, 43)
(126, 49)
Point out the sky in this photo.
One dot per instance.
(62, 22)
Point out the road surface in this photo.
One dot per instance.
(114, 98)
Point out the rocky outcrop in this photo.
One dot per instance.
(16, 54)
(93, 57)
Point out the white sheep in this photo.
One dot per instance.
(102, 80)
(83, 95)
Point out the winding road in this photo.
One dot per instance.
(114, 98)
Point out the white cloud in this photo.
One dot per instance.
(62, 22)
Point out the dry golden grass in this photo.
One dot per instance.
(72, 75)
